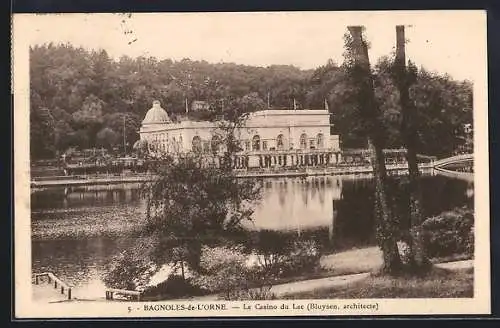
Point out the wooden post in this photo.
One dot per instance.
(55, 283)
(50, 280)
(36, 279)
(69, 293)
(62, 289)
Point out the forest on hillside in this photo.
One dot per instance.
(81, 99)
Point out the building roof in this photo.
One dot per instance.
(156, 115)
(285, 111)
(263, 118)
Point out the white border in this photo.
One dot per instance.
(480, 304)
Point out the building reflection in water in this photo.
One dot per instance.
(470, 190)
(297, 204)
(74, 197)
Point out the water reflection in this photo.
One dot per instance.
(74, 197)
(336, 212)
(297, 204)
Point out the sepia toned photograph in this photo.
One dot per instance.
(251, 164)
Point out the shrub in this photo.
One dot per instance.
(301, 257)
(304, 257)
(175, 286)
(450, 233)
(222, 269)
(228, 270)
(254, 294)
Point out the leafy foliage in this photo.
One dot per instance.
(222, 269)
(230, 271)
(76, 93)
(175, 286)
(450, 233)
(89, 91)
(279, 254)
(132, 268)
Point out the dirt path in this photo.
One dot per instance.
(457, 265)
(308, 285)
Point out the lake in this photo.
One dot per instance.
(76, 231)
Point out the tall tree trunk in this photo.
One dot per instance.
(386, 225)
(409, 135)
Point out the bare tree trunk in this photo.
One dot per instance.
(386, 225)
(419, 257)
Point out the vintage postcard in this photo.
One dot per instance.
(251, 164)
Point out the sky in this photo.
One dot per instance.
(442, 41)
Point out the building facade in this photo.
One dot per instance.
(267, 138)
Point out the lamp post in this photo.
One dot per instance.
(124, 139)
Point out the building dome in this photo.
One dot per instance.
(156, 115)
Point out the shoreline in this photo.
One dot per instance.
(338, 273)
(400, 169)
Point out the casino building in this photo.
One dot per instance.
(268, 138)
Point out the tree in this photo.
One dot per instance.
(42, 133)
(128, 121)
(443, 107)
(89, 117)
(404, 78)
(191, 205)
(357, 66)
(107, 138)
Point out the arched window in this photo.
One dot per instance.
(215, 143)
(303, 141)
(280, 143)
(197, 147)
(256, 143)
(320, 142)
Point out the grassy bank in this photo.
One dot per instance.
(440, 283)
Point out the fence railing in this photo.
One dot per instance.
(453, 159)
(58, 283)
(111, 291)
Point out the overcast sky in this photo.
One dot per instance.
(446, 42)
